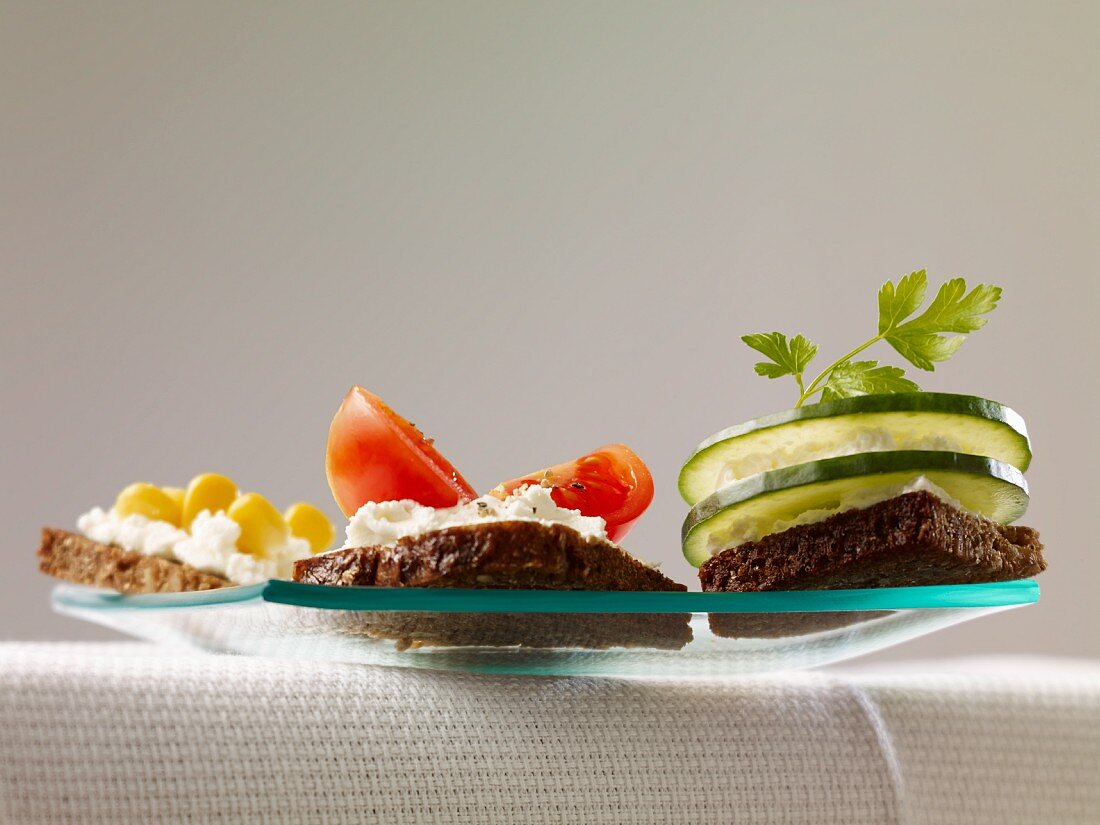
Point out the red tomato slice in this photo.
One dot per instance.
(376, 455)
(611, 482)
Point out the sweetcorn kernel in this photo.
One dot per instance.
(262, 526)
(176, 494)
(209, 491)
(147, 500)
(308, 522)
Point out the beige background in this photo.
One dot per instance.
(534, 229)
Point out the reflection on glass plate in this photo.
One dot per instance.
(635, 635)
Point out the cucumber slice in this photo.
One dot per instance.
(899, 421)
(765, 501)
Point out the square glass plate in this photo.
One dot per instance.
(565, 632)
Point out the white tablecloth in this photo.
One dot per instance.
(130, 733)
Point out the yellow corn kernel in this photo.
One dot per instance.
(209, 491)
(262, 527)
(147, 500)
(176, 494)
(307, 522)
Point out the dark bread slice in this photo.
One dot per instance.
(78, 559)
(912, 539)
(512, 555)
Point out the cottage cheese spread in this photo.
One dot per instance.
(754, 530)
(211, 545)
(382, 523)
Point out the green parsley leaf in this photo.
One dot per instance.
(865, 378)
(934, 335)
(922, 350)
(952, 310)
(895, 305)
(787, 357)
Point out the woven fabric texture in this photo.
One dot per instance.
(132, 733)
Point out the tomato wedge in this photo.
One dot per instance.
(612, 482)
(376, 455)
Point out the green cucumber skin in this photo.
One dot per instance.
(849, 466)
(916, 402)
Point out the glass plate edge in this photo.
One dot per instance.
(79, 596)
(454, 600)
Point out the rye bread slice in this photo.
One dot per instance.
(511, 555)
(78, 559)
(912, 539)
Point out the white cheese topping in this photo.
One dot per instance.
(801, 451)
(755, 529)
(382, 523)
(211, 546)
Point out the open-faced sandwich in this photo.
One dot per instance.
(877, 485)
(416, 522)
(169, 539)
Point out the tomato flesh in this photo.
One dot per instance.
(376, 455)
(612, 482)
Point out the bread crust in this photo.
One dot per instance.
(80, 560)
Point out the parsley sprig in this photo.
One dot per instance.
(920, 340)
